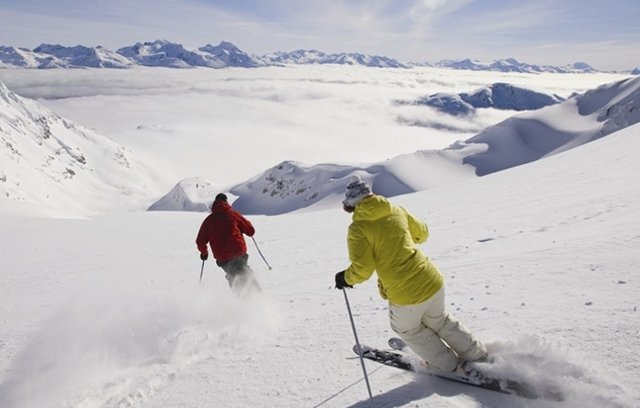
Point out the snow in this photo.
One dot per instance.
(584, 118)
(192, 194)
(513, 65)
(50, 161)
(540, 260)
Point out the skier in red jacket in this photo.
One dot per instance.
(223, 230)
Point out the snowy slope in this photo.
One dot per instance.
(290, 186)
(541, 262)
(533, 135)
(52, 162)
(192, 194)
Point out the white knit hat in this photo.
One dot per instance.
(357, 189)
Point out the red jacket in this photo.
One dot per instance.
(223, 230)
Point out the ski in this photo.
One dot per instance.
(475, 379)
(506, 385)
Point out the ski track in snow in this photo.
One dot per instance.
(114, 346)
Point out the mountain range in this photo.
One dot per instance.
(163, 53)
(513, 65)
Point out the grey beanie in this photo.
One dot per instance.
(357, 189)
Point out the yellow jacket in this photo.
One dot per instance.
(382, 237)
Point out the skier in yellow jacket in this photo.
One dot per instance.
(383, 237)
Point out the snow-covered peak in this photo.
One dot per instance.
(18, 57)
(511, 65)
(192, 194)
(81, 56)
(161, 53)
(319, 57)
(290, 185)
(58, 56)
(55, 163)
(167, 54)
(296, 57)
(231, 55)
(579, 67)
(23, 58)
(499, 95)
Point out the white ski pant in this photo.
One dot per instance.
(434, 334)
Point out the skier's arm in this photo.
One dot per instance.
(418, 229)
(202, 239)
(361, 257)
(244, 224)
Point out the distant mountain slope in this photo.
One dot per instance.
(290, 186)
(531, 136)
(80, 56)
(18, 57)
(499, 95)
(24, 58)
(192, 194)
(513, 65)
(57, 56)
(318, 57)
(232, 56)
(53, 162)
(162, 53)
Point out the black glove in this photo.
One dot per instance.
(340, 282)
(204, 256)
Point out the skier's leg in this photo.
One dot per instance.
(240, 277)
(406, 321)
(250, 283)
(449, 329)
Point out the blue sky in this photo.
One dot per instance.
(603, 34)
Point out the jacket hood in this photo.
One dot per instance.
(219, 205)
(372, 208)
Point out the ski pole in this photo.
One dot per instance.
(353, 326)
(201, 270)
(260, 252)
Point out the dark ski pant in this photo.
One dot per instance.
(240, 276)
